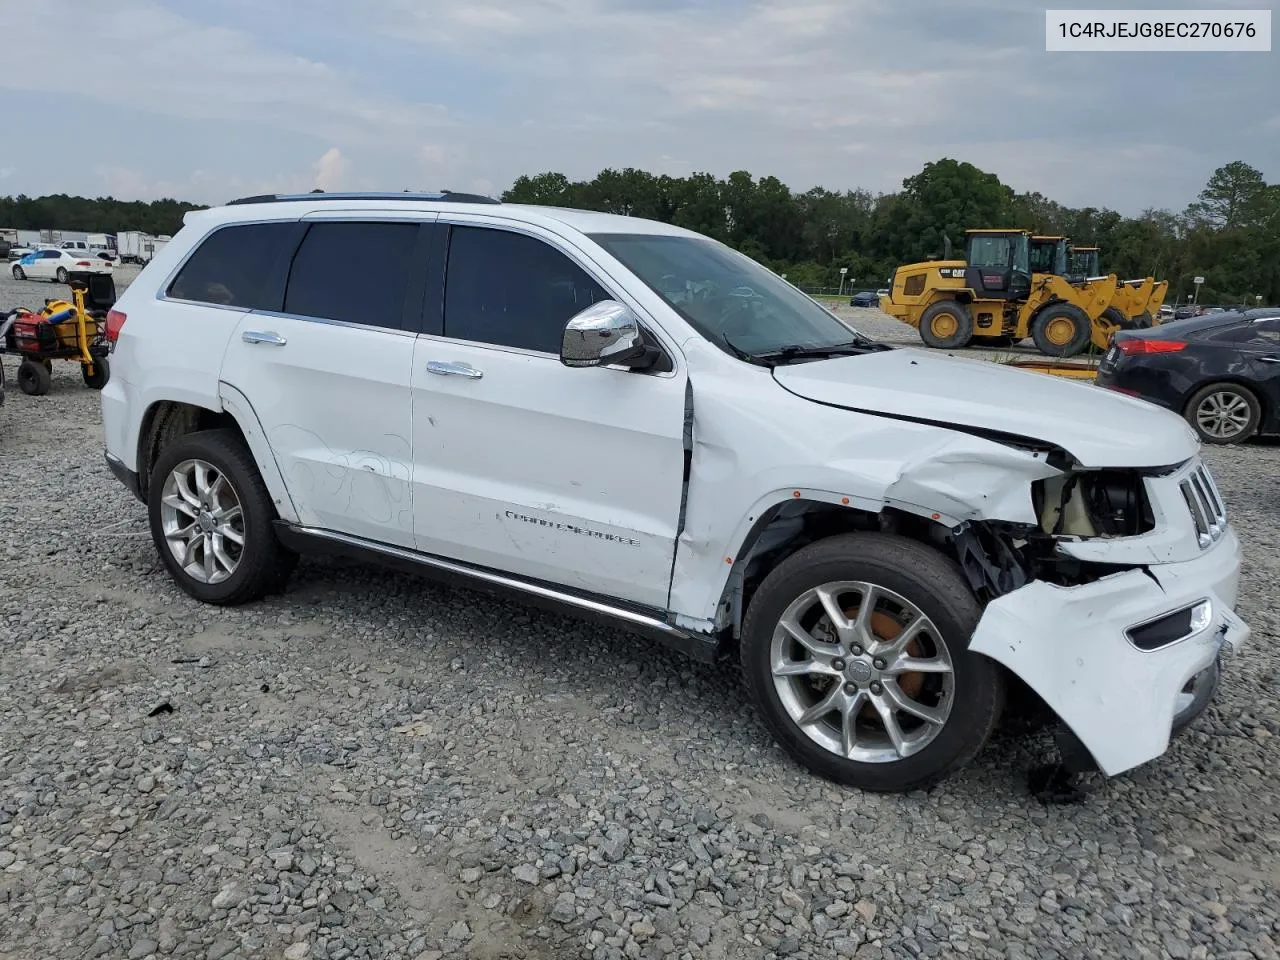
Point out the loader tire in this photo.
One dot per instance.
(1117, 316)
(946, 326)
(1061, 330)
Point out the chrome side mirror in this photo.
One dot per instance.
(604, 333)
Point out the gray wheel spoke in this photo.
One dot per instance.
(807, 640)
(803, 668)
(189, 551)
(201, 471)
(206, 549)
(220, 553)
(891, 726)
(849, 722)
(894, 647)
(227, 514)
(866, 607)
(906, 664)
(832, 701)
(183, 482)
(232, 536)
(179, 503)
(831, 606)
(894, 695)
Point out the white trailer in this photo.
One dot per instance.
(134, 246)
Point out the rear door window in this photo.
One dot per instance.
(354, 273)
(512, 290)
(233, 266)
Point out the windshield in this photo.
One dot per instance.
(726, 296)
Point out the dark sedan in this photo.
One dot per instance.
(1221, 371)
(867, 298)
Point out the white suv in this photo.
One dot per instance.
(633, 421)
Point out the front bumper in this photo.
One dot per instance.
(1069, 644)
(126, 476)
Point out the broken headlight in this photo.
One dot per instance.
(1094, 503)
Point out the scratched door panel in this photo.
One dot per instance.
(573, 476)
(334, 402)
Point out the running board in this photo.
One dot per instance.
(310, 540)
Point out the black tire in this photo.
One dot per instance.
(265, 564)
(958, 337)
(1117, 316)
(1046, 327)
(1228, 391)
(101, 373)
(62, 275)
(923, 577)
(19, 273)
(34, 378)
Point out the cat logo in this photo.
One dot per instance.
(955, 273)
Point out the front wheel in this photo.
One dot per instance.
(946, 325)
(1061, 330)
(211, 520)
(34, 378)
(855, 650)
(62, 275)
(19, 274)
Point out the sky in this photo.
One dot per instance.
(207, 100)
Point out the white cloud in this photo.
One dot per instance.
(330, 169)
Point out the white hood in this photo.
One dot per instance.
(1096, 426)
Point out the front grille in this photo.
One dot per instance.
(1206, 506)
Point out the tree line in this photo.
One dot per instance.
(1230, 234)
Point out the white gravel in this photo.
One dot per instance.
(373, 766)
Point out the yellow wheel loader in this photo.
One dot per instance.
(1054, 255)
(1138, 300)
(993, 298)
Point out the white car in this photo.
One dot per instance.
(531, 400)
(50, 263)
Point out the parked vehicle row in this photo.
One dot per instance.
(629, 420)
(57, 265)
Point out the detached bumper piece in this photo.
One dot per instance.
(126, 476)
(1125, 661)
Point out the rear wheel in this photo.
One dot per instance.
(946, 326)
(1223, 413)
(211, 520)
(855, 650)
(34, 378)
(1061, 330)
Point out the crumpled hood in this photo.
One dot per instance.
(1098, 427)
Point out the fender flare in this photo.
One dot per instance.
(237, 405)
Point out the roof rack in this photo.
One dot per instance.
(448, 196)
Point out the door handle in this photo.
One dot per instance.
(269, 337)
(450, 368)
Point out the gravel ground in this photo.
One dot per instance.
(373, 766)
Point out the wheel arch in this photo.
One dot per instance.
(166, 421)
(786, 521)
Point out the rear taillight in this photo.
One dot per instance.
(115, 320)
(1133, 347)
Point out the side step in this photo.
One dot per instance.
(313, 540)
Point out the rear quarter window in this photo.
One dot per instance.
(234, 266)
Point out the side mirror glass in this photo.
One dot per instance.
(605, 333)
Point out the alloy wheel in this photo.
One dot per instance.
(203, 521)
(862, 672)
(1223, 415)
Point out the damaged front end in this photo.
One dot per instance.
(1113, 607)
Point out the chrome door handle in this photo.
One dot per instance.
(268, 337)
(450, 368)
